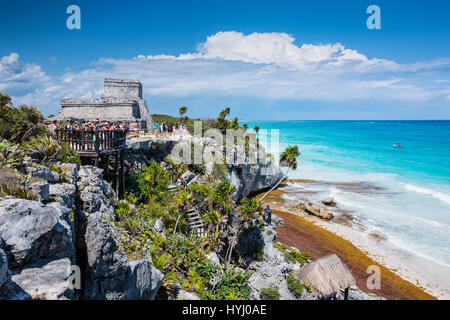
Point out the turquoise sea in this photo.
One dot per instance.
(401, 194)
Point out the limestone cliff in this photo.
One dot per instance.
(46, 244)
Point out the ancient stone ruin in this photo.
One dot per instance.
(122, 102)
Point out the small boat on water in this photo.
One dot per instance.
(398, 145)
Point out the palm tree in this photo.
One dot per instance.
(234, 124)
(288, 158)
(245, 126)
(224, 113)
(182, 111)
(256, 129)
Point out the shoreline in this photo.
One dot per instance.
(311, 234)
(318, 241)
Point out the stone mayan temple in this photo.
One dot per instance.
(122, 102)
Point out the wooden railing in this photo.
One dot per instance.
(81, 140)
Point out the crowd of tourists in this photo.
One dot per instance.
(162, 129)
(170, 129)
(90, 126)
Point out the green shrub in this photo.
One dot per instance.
(13, 183)
(153, 181)
(233, 285)
(295, 285)
(43, 149)
(292, 255)
(20, 124)
(67, 154)
(12, 156)
(307, 286)
(220, 171)
(270, 294)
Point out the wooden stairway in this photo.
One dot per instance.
(195, 223)
(172, 187)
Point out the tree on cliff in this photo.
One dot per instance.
(222, 123)
(256, 129)
(288, 158)
(182, 111)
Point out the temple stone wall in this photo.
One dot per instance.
(129, 112)
(123, 88)
(122, 102)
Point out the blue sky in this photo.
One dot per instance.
(263, 59)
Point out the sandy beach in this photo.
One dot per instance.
(319, 238)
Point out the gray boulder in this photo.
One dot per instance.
(330, 202)
(277, 221)
(272, 270)
(69, 172)
(145, 280)
(318, 210)
(32, 232)
(94, 192)
(3, 268)
(41, 190)
(42, 172)
(64, 193)
(354, 293)
(109, 273)
(42, 281)
(185, 295)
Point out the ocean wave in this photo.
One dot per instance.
(436, 194)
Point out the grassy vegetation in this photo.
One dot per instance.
(182, 258)
(291, 254)
(270, 294)
(295, 286)
(24, 138)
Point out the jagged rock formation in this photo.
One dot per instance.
(247, 174)
(41, 243)
(270, 270)
(354, 293)
(318, 210)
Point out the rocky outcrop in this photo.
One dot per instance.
(272, 270)
(330, 202)
(45, 280)
(109, 273)
(326, 275)
(44, 244)
(248, 171)
(32, 231)
(41, 189)
(42, 172)
(38, 242)
(318, 210)
(3, 268)
(354, 293)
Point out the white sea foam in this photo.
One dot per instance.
(436, 194)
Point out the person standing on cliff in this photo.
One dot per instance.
(268, 215)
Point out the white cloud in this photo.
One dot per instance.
(258, 65)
